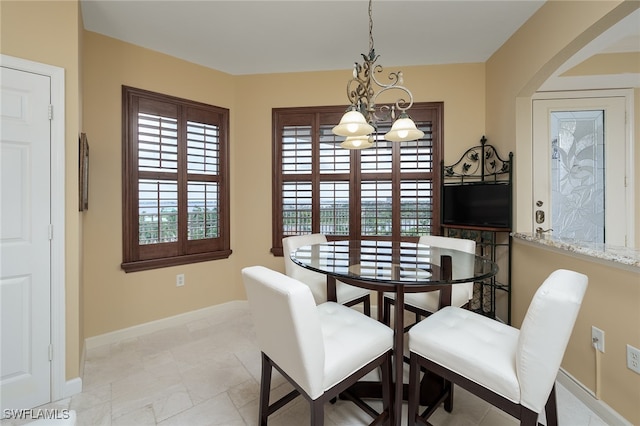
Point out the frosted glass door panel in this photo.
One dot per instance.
(577, 175)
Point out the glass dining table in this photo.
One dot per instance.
(393, 267)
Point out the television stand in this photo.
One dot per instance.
(481, 166)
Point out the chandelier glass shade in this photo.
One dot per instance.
(357, 142)
(353, 123)
(403, 129)
(363, 115)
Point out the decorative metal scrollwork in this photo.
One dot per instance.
(479, 162)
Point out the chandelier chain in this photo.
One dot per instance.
(370, 26)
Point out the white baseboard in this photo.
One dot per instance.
(72, 387)
(150, 327)
(588, 398)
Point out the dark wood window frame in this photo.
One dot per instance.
(307, 176)
(203, 182)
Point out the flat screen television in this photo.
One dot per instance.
(477, 204)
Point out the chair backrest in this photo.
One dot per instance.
(462, 244)
(545, 333)
(316, 281)
(287, 325)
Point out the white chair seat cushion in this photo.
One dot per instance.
(430, 301)
(471, 345)
(318, 284)
(351, 340)
(346, 293)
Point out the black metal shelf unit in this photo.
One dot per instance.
(477, 205)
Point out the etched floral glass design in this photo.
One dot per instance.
(577, 175)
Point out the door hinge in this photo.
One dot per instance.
(50, 112)
(50, 352)
(50, 232)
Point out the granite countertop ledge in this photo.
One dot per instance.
(618, 254)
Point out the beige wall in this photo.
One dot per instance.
(47, 32)
(611, 304)
(607, 63)
(114, 300)
(612, 301)
(636, 162)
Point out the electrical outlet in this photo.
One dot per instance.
(633, 358)
(597, 338)
(179, 280)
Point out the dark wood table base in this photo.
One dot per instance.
(431, 390)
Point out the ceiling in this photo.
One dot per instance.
(266, 36)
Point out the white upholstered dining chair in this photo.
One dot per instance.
(514, 370)
(321, 350)
(424, 304)
(346, 294)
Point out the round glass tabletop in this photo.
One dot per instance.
(394, 262)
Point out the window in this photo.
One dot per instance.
(388, 191)
(175, 181)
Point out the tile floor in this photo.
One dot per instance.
(206, 372)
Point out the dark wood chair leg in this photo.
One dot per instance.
(414, 389)
(386, 314)
(448, 402)
(265, 388)
(367, 306)
(528, 417)
(386, 387)
(317, 412)
(551, 408)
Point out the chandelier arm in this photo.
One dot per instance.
(394, 77)
(357, 93)
(361, 93)
(363, 97)
(384, 113)
(400, 103)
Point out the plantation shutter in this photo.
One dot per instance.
(387, 191)
(175, 181)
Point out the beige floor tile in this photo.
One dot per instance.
(215, 411)
(207, 372)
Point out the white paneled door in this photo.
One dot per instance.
(25, 245)
(579, 184)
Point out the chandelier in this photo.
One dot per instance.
(361, 119)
